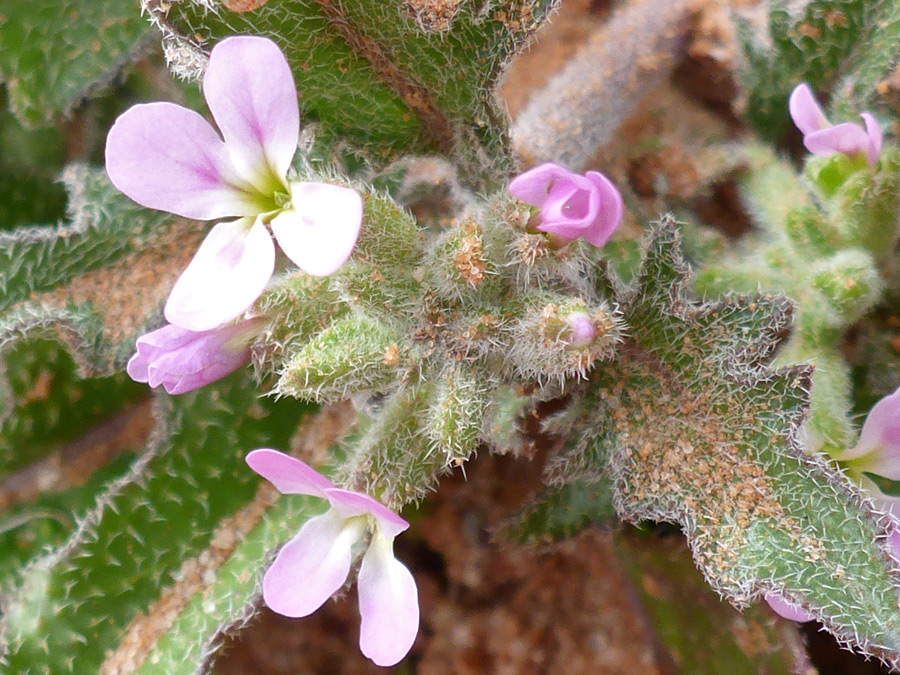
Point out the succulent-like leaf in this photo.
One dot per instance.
(692, 426)
(144, 532)
(56, 52)
(392, 76)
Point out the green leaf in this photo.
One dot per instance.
(692, 426)
(374, 75)
(889, 487)
(57, 52)
(76, 604)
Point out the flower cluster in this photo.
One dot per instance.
(571, 206)
(315, 564)
(166, 157)
(822, 138)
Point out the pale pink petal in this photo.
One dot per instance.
(573, 201)
(845, 138)
(533, 186)
(320, 229)
(611, 209)
(805, 110)
(786, 608)
(350, 504)
(388, 605)
(873, 131)
(169, 158)
(581, 330)
(250, 90)
(229, 272)
(881, 428)
(137, 368)
(288, 474)
(311, 566)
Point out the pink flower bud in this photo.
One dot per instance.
(182, 360)
(581, 330)
(571, 205)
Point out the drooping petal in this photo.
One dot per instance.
(846, 138)
(805, 110)
(320, 230)
(169, 158)
(533, 186)
(611, 209)
(350, 504)
(786, 608)
(311, 566)
(251, 93)
(873, 131)
(137, 368)
(229, 272)
(388, 604)
(288, 474)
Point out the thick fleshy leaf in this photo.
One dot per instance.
(533, 186)
(388, 605)
(288, 474)
(312, 566)
(169, 158)
(350, 504)
(251, 93)
(230, 270)
(787, 609)
(805, 110)
(846, 138)
(320, 230)
(873, 131)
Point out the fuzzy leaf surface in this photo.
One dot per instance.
(53, 55)
(693, 426)
(77, 603)
(391, 76)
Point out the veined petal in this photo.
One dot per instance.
(229, 272)
(786, 608)
(873, 131)
(805, 110)
(288, 474)
(388, 604)
(846, 138)
(533, 186)
(350, 504)
(251, 93)
(311, 566)
(319, 231)
(169, 158)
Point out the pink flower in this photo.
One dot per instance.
(821, 138)
(313, 565)
(786, 608)
(571, 205)
(182, 360)
(167, 157)
(581, 330)
(878, 451)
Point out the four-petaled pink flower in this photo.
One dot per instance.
(571, 205)
(821, 138)
(878, 451)
(315, 563)
(167, 157)
(182, 360)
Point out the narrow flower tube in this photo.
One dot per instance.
(315, 564)
(571, 206)
(182, 360)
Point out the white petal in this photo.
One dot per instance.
(388, 604)
(320, 230)
(228, 273)
(312, 566)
